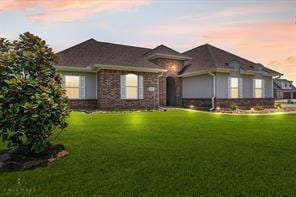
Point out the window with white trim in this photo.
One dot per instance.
(234, 92)
(258, 88)
(131, 86)
(74, 86)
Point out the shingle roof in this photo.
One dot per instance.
(206, 57)
(162, 49)
(277, 82)
(201, 59)
(93, 52)
(282, 80)
(276, 86)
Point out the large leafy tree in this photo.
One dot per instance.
(32, 101)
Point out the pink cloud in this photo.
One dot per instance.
(17, 5)
(270, 42)
(69, 10)
(244, 10)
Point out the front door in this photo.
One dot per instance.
(171, 91)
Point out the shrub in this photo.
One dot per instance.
(278, 106)
(233, 107)
(151, 108)
(32, 101)
(258, 107)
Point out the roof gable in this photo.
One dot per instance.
(92, 52)
(163, 51)
(206, 57)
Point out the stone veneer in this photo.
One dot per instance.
(83, 103)
(172, 67)
(245, 103)
(109, 91)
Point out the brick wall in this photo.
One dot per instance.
(83, 104)
(109, 91)
(245, 103)
(172, 67)
(198, 103)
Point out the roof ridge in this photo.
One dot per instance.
(169, 48)
(91, 39)
(233, 54)
(164, 46)
(94, 40)
(193, 48)
(125, 45)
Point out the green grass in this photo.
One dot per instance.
(174, 153)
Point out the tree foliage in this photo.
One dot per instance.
(32, 100)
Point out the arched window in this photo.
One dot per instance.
(131, 86)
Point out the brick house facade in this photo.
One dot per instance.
(109, 91)
(95, 74)
(173, 67)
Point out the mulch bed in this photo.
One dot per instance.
(263, 111)
(11, 161)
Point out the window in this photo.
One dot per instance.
(74, 86)
(258, 88)
(131, 86)
(234, 92)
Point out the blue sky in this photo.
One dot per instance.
(262, 31)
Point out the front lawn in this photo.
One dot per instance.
(174, 153)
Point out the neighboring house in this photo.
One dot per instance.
(284, 89)
(111, 76)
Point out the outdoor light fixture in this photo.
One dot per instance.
(218, 108)
(252, 109)
(191, 106)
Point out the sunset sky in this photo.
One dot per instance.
(262, 31)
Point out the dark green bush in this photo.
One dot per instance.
(32, 101)
(233, 107)
(258, 107)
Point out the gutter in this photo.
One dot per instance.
(204, 72)
(162, 55)
(214, 90)
(98, 67)
(71, 68)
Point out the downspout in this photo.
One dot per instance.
(161, 75)
(214, 90)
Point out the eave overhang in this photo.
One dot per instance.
(97, 67)
(74, 69)
(203, 72)
(247, 72)
(167, 56)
